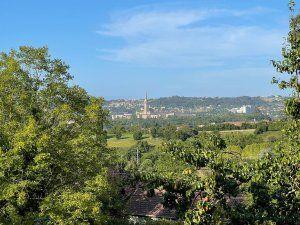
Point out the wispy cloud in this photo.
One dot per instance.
(190, 38)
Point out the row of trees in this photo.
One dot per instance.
(199, 119)
(169, 131)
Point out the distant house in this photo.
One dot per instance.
(140, 204)
(122, 116)
(169, 114)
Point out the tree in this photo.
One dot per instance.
(155, 131)
(275, 184)
(143, 146)
(118, 130)
(290, 64)
(137, 134)
(185, 132)
(169, 132)
(203, 175)
(262, 128)
(53, 155)
(135, 153)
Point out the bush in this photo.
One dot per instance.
(261, 129)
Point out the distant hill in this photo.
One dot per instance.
(191, 102)
(271, 106)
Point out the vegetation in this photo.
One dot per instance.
(53, 156)
(221, 184)
(58, 165)
(137, 133)
(177, 101)
(261, 129)
(290, 64)
(197, 120)
(118, 130)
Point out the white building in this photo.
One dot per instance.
(121, 116)
(245, 109)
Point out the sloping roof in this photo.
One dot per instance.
(139, 204)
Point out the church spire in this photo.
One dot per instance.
(146, 105)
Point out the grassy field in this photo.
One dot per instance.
(248, 131)
(127, 141)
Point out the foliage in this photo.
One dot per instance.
(200, 119)
(293, 107)
(52, 143)
(275, 185)
(155, 131)
(159, 165)
(277, 125)
(262, 128)
(185, 132)
(137, 133)
(168, 132)
(290, 64)
(241, 140)
(144, 146)
(118, 130)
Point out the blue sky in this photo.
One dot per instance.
(122, 48)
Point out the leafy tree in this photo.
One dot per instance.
(118, 130)
(262, 128)
(201, 155)
(144, 146)
(137, 133)
(290, 64)
(155, 131)
(185, 132)
(53, 157)
(169, 132)
(275, 184)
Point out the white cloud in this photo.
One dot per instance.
(187, 38)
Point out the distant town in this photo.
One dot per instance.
(147, 108)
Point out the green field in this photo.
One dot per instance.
(248, 131)
(127, 141)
